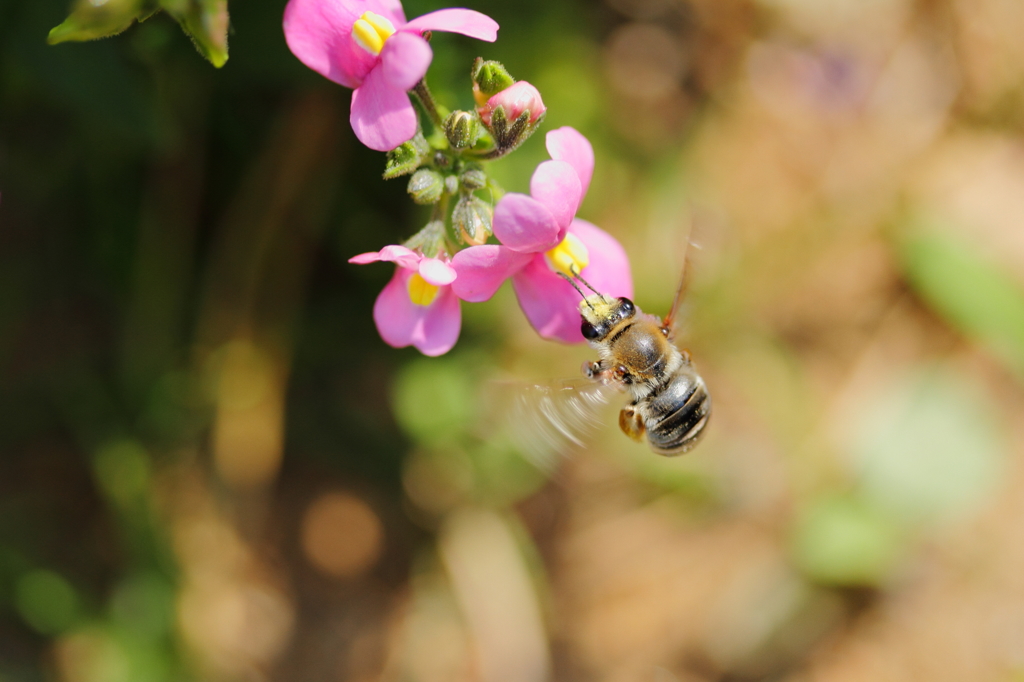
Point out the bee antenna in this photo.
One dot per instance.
(576, 274)
(580, 292)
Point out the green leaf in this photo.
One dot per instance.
(206, 23)
(970, 292)
(89, 21)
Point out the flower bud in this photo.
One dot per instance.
(472, 220)
(489, 78)
(426, 186)
(473, 179)
(462, 129)
(451, 184)
(407, 157)
(429, 240)
(515, 100)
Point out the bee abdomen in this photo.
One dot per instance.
(676, 416)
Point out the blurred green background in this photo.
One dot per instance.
(211, 468)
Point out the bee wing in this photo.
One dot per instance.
(550, 419)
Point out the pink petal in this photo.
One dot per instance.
(391, 9)
(524, 224)
(608, 270)
(432, 329)
(404, 256)
(382, 116)
(395, 315)
(516, 99)
(465, 21)
(436, 271)
(556, 185)
(551, 304)
(393, 253)
(405, 59)
(482, 269)
(364, 258)
(440, 328)
(319, 33)
(548, 301)
(567, 144)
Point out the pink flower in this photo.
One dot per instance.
(368, 45)
(541, 236)
(417, 307)
(515, 100)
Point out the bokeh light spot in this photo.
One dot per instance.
(644, 61)
(843, 541)
(46, 601)
(928, 449)
(122, 471)
(434, 401)
(248, 431)
(91, 656)
(145, 604)
(245, 375)
(341, 535)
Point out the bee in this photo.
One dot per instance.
(670, 403)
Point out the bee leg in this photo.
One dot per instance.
(631, 423)
(610, 376)
(592, 369)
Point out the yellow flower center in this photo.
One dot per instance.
(370, 32)
(422, 292)
(569, 257)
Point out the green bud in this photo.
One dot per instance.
(499, 125)
(489, 78)
(451, 184)
(472, 219)
(510, 134)
(462, 129)
(407, 157)
(426, 186)
(429, 240)
(473, 179)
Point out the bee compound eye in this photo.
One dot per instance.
(589, 331)
(626, 307)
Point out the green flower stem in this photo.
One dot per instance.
(496, 190)
(422, 93)
(441, 213)
(496, 153)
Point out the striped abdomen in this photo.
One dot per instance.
(676, 415)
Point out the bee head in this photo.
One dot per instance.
(600, 315)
